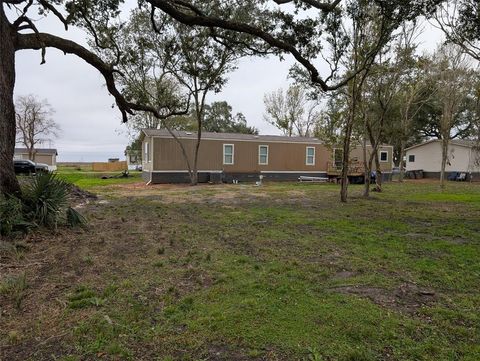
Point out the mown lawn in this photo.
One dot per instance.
(278, 272)
(88, 179)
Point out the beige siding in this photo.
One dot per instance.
(167, 155)
(44, 158)
(39, 158)
(356, 155)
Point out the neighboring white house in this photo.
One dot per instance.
(46, 156)
(462, 157)
(134, 159)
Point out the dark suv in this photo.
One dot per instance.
(25, 166)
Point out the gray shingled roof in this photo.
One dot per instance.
(229, 136)
(37, 150)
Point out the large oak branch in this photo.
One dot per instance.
(214, 22)
(325, 6)
(42, 40)
(176, 9)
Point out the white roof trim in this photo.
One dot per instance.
(450, 142)
(420, 144)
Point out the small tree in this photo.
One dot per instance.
(169, 68)
(291, 111)
(34, 122)
(200, 65)
(382, 86)
(454, 81)
(370, 33)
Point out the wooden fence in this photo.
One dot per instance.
(109, 167)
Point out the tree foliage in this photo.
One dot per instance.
(292, 111)
(220, 119)
(460, 22)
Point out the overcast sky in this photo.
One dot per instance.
(91, 126)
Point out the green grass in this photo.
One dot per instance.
(278, 272)
(90, 180)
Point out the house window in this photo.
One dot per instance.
(383, 156)
(228, 154)
(411, 158)
(147, 152)
(263, 154)
(310, 156)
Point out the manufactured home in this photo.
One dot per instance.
(40, 155)
(462, 157)
(243, 157)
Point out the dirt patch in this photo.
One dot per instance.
(217, 352)
(227, 194)
(459, 240)
(330, 257)
(407, 298)
(224, 353)
(80, 196)
(344, 274)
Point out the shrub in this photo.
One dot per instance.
(75, 219)
(11, 216)
(46, 199)
(44, 203)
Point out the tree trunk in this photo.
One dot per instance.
(367, 169)
(370, 168)
(184, 152)
(194, 179)
(8, 181)
(402, 155)
(194, 176)
(378, 171)
(346, 159)
(444, 161)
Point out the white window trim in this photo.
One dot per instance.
(306, 156)
(233, 154)
(259, 154)
(408, 158)
(147, 152)
(383, 161)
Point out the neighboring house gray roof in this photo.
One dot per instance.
(229, 136)
(461, 142)
(50, 151)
